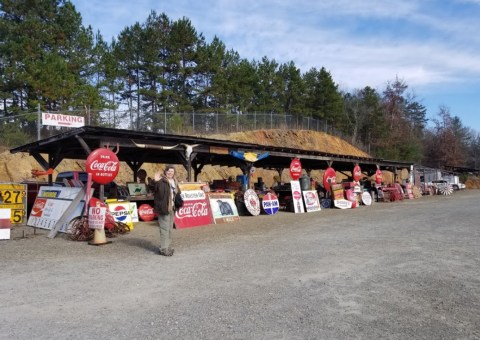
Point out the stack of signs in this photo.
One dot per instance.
(338, 198)
(297, 197)
(252, 203)
(312, 203)
(223, 207)
(125, 212)
(270, 203)
(5, 224)
(50, 205)
(195, 210)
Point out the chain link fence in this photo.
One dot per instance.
(23, 128)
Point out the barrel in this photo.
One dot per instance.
(305, 183)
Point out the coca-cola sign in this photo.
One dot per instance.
(378, 176)
(329, 178)
(103, 164)
(295, 169)
(145, 212)
(195, 210)
(357, 173)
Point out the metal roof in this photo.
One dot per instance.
(138, 147)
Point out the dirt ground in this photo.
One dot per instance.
(398, 270)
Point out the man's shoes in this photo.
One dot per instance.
(166, 251)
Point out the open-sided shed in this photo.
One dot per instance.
(138, 147)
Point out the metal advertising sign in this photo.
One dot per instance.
(312, 202)
(223, 207)
(270, 203)
(329, 178)
(50, 205)
(103, 164)
(195, 210)
(378, 176)
(145, 212)
(297, 197)
(13, 196)
(366, 198)
(357, 173)
(252, 203)
(295, 169)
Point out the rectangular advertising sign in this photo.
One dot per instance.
(195, 210)
(223, 207)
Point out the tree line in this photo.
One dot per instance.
(48, 58)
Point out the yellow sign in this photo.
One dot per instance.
(14, 196)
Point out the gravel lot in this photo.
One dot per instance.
(390, 271)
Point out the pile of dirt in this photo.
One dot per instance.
(18, 167)
(472, 183)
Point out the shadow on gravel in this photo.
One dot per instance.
(139, 243)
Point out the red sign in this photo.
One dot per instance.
(103, 164)
(357, 173)
(145, 212)
(329, 177)
(195, 210)
(378, 176)
(295, 169)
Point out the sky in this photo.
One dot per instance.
(433, 46)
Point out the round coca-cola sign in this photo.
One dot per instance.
(103, 164)
(295, 169)
(145, 212)
(378, 176)
(357, 173)
(329, 177)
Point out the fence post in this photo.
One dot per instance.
(39, 125)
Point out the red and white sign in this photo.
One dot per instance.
(378, 176)
(103, 164)
(295, 169)
(297, 197)
(312, 203)
(252, 203)
(357, 173)
(5, 224)
(145, 212)
(195, 210)
(57, 119)
(96, 217)
(329, 178)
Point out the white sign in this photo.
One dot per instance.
(342, 204)
(96, 217)
(297, 197)
(57, 119)
(312, 203)
(50, 204)
(366, 198)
